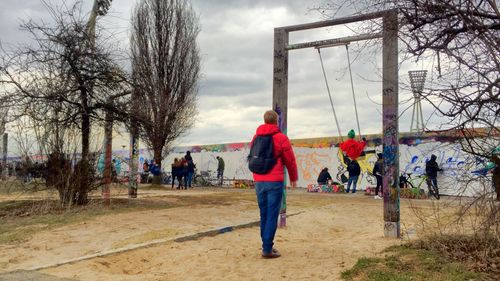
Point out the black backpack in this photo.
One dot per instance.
(261, 159)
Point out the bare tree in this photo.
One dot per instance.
(64, 76)
(165, 70)
(462, 36)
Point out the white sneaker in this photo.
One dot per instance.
(377, 197)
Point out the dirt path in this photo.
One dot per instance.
(330, 234)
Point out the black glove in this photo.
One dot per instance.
(364, 139)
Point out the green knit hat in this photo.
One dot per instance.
(351, 134)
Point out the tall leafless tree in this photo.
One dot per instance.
(165, 70)
(64, 77)
(462, 36)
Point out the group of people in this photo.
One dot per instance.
(151, 167)
(352, 149)
(183, 171)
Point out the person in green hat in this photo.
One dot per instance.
(351, 147)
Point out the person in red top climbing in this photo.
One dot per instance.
(270, 152)
(351, 147)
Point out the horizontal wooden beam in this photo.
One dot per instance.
(333, 42)
(338, 21)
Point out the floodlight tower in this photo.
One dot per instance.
(417, 80)
(100, 8)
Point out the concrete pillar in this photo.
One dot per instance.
(390, 126)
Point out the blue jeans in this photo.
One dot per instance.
(433, 181)
(220, 176)
(188, 179)
(354, 181)
(269, 195)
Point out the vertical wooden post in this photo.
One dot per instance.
(5, 171)
(280, 78)
(134, 157)
(280, 94)
(108, 146)
(390, 126)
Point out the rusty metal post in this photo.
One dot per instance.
(390, 126)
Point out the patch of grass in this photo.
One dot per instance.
(403, 263)
(359, 267)
(480, 253)
(16, 186)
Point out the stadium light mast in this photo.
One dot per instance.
(417, 80)
(100, 8)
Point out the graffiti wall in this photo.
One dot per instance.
(460, 169)
(314, 154)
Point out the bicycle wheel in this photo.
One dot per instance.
(410, 184)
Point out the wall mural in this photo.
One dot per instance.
(314, 154)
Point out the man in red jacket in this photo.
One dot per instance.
(269, 186)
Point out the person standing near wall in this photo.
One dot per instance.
(177, 173)
(189, 169)
(377, 172)
(145, 172)
(354, 171)
(269, 175)
(220, 169)
(431, 169)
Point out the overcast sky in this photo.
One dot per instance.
(236, 43)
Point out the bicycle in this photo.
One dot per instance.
(406, 181)
(205, 178)
(167, 178)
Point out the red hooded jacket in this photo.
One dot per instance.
(352, 148)
(282, 150)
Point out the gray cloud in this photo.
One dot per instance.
(236, 43)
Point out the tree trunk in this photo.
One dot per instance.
(157, 179)
(84, 167)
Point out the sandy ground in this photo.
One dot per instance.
(326, 236)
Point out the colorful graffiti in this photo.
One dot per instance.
(314, 154)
